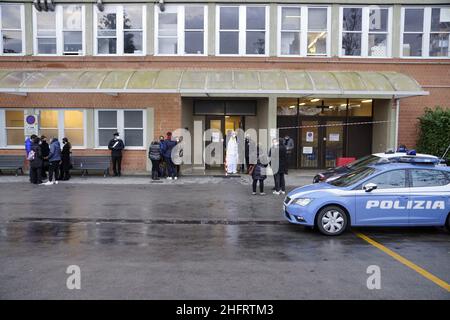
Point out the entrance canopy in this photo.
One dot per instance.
(191, 82)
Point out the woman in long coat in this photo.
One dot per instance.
(66, 164)
(232, 154)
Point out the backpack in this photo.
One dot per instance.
(31, 155)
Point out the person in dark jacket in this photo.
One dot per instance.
(258, 173)
(116, 146)
(278, 156)
(28, 144)
(162, 164)
(45, 148)
(154, 154)
(35, 158)
(66, 164)
(166, 151)
(54, 159)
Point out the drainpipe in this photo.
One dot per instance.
(37, 5)
(397, 112)
(50, 5)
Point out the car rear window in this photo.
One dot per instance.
(428, 178)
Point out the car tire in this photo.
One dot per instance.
(316, 179)
(332, 221)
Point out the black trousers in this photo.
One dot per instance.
(280, 184)
(117, 165)
(261, 185)
(36, 175)
(155, 169)
(53, 170)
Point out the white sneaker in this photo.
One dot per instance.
(48, 183)
(276, 192)
(55, 182)
(254, 193)
(168, 178)
(283, 192)
(176, 178)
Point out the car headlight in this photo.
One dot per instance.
(303, 201)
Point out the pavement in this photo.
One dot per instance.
(205, 238)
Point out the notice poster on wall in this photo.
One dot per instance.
(334, 137)
(31, 124)
(307, 150)
(309, 136)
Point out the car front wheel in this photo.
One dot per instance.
(332, 221)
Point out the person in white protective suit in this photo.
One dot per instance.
(232, 154)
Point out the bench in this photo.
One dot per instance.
(11, 162)
(85, 163)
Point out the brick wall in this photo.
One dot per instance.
(167, 115)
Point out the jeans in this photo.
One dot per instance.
(53, 170)
(155, 169)
(280, 184)
(261, 185)
(170, 167)
(117, 165)
(36, 174)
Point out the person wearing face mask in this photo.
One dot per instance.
(45, 148)
(54, 159)
(116, 146)
(278, 159)
(66, 164)
(35, 158)
(232, 154)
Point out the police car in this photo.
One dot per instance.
(405, 193)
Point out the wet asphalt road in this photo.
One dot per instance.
(198, 241)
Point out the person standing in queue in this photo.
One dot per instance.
(45, 149)
(66, 164)
(35, 158)
(280, 183)
(154, 154)
(28, 144)
(258, 172)
(116, 146)
(166, 151)
(54, 159)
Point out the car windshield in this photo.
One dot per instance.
(363, 162)
(352, 177)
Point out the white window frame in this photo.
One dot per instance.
(120, 31)
(243, 31)
(121, 128)
(304, 31)
(61, 124)
(60, 32)
(426, 32)
(180, 11)
(22, 29)
(365, 31)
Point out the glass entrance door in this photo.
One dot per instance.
(333, 142)
(220, 130)
(214, 142)
(309, 151)
(322, 142)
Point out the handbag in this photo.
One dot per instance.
(251, 169)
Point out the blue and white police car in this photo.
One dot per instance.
(405, 193)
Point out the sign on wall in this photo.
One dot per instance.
(31, 124)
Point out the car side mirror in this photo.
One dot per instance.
(369, 187)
